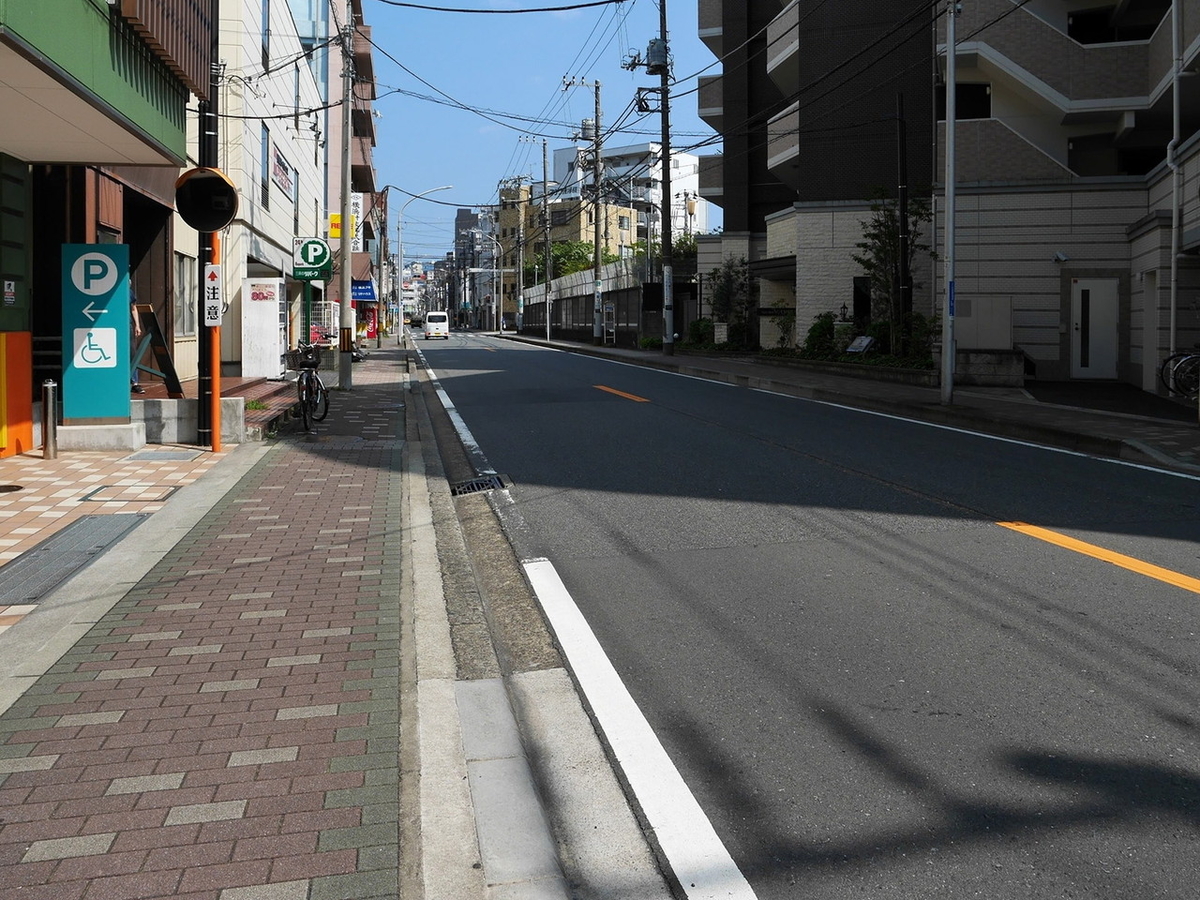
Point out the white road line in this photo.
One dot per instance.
(693, 851)
(980, 434)
(685, 837)
(478, 459)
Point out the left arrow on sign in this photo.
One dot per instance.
(91, 312)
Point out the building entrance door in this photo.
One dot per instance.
(1094, 328)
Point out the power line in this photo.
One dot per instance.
(494, 12)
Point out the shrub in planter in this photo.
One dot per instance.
(819, 343)
(700, 332)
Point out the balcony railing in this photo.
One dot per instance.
(1040, 53)
(783, 145)
(712, 178)
(783, 48)
(710, 101)
(709, 21)
(987, 150)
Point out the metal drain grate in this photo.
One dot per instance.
(37, 571)
(475, 485)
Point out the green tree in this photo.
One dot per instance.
(683, 256)
(733, 295)
(879, 257)
(568, 257)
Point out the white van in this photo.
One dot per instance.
(437, 324)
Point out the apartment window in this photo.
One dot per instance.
(266, 34)
(558, 217)
(971, 101)
(186, 294)
(265, 168)
(1106, 25)
(623, 222)
(296, 202)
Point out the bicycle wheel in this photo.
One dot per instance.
(1166, 370)
(1186, 376)
(305, 400)
(320, 399)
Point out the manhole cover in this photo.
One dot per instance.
(9, 488)
(475, 485)
(130, 493)
(38, 570)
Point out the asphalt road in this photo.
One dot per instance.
(872, 686)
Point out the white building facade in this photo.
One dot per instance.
(271, 147)
(632, 176)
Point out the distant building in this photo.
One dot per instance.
(632, 177)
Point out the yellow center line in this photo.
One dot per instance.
(1117, 559)
(633, 397)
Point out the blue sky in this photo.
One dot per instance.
(509, 70)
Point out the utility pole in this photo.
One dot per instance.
(947, 368)
(208, 338)
(904, 288)
(597, 178)
(546, 224)
(658, 62)
(519, 312)
(345, 255)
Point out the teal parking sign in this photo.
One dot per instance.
(96, 324)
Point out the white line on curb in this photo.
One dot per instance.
(684, 834)
(692, 850)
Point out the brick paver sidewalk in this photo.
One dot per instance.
(229, 730)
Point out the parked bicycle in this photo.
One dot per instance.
(314, 396)
(1180, 373)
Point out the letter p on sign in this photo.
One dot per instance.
(311, 253)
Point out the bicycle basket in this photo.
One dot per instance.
(308, 358)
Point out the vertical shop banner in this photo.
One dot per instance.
(97, 319)
(357, 244)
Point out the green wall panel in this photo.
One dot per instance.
(97, 49)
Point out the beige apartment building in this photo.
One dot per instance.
(1076, 167)
(521, 231)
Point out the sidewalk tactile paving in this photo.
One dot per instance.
(225, 731)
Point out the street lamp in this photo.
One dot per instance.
(400, 240)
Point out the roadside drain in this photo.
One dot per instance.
(475, 485)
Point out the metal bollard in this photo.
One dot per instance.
(49, 419)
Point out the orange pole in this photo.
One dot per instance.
(214, 356)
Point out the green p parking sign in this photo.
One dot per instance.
(311, 260)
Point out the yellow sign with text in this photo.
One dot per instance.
(335, 225)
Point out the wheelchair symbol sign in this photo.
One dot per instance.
(96, 348)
